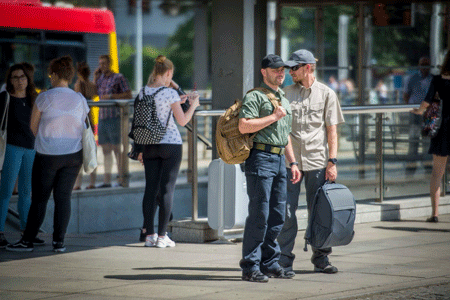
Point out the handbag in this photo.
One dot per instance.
(146, 128)
(3, 126)
(432, 118)
(89, 149)
(135, 150)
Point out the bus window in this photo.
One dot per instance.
(12, 53)
(78, 54)
(26, 52)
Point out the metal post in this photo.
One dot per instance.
(361, 88)
(379, 154)
(124, 172)
(190, 157)
(194, 174)
(319, 25)
(138, 61)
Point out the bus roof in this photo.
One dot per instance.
(33, 15)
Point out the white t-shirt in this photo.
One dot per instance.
(163, 100)
(62, 121)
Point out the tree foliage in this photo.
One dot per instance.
(392, 46)
(179, 50)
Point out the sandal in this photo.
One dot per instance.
(432, 220)
(90, 187)
(77, 188)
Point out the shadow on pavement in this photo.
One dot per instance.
(73, 243)
(412, 229)
(159, 276)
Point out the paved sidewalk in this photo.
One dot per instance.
(384, 257)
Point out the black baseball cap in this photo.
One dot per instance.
(301, 57)
(272, 61)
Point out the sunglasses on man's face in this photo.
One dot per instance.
(295, 68)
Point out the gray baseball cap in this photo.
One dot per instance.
(301, 57)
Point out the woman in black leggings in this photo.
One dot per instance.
(162, 161)
(57, 121)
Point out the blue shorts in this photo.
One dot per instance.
(109, 131)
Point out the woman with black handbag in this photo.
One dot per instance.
(161, 158)
(440, 144)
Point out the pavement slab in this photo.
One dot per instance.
(383, 259)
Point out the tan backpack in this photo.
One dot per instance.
(234, 147)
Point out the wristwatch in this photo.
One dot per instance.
(333, 161)
(293, 163)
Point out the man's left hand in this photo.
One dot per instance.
(331, 172)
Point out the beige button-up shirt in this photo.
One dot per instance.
(313, 109)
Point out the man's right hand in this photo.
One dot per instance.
(279, 112)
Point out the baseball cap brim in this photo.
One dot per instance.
(291, 63)
(277, 64)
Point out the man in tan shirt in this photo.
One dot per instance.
(316, 112)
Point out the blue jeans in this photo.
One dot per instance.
(266, 188)
(18, 161)
(313, 180)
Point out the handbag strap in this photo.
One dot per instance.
(87, 122)
(5, 113)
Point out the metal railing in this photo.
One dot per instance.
(123, 105)
(124, 108)
(379, 112)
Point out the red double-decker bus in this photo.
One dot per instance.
(36, 33)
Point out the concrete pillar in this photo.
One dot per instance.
(201, 53)
(232, 50)
(261, 42)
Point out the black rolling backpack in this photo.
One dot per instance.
(332, 217)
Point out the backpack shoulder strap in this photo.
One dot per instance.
(152, 95)
(272, 98)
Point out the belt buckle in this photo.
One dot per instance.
(275, 150)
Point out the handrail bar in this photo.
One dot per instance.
(367, 109)
(379, 110)
(375, 109)
(120, 102)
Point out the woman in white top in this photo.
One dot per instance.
(162, 161)
(57, 121)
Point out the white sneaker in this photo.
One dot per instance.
(150, 240)
(164, 242)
